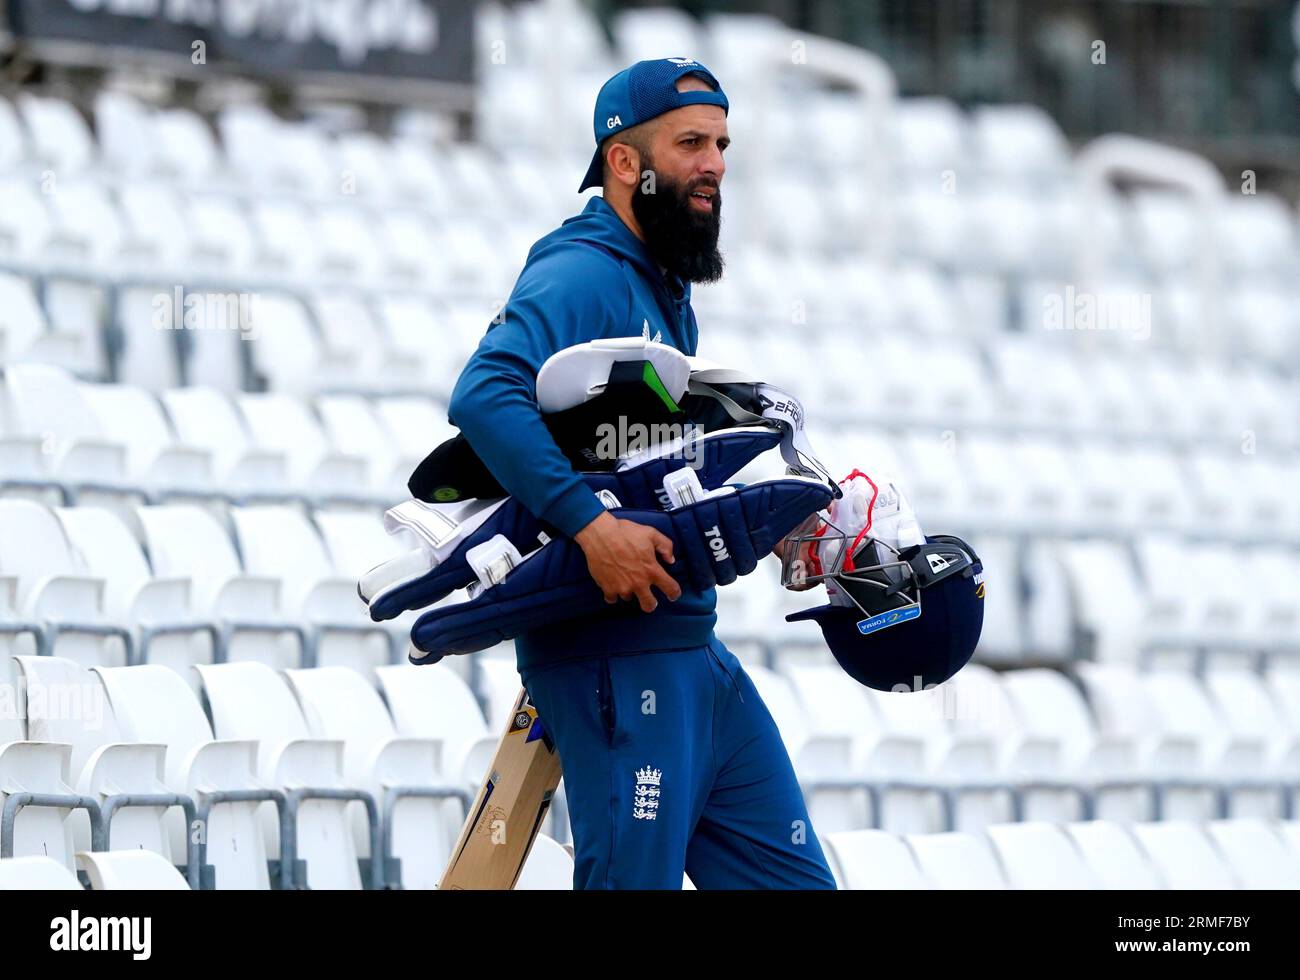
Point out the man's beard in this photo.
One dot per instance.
(682, 240)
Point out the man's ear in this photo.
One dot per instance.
(624, 164)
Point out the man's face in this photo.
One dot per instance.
(680, 209)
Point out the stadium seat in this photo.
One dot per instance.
(186, 541)
(1113, 855)
(872, 859)
(204, 417)
(957, 861)
(1048, 704)
(45, 403)
(25, 332)
(154, 458)
(836, 709)
(434, 703)
(66, 704)
(549, 867)
(250, 701)
(141, 871)
(36, 767)
(1173, 759)
(1257, 854)
(403, 772)
(53, 588)
(1184, 856)
(279, 543)
(154, 705)
(1040, 856)
(37, 873)
(284, 424)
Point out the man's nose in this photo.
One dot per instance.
(713, 165)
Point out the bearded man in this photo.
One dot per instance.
(671, 760)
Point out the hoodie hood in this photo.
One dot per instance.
(599, 225)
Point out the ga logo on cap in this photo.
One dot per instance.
(613, 121)
(683, 61)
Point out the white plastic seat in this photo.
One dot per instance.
(873, 859)
(549, 867)
(207, 419)
(66, 703)
(1040, 856)
(1122, 705)
(158, 610)
(349, 251)
(185, 541)
(251, 701)
(121, 871)
(37, 873)
(147, 320)
(837, 709)
(354, 429)
(88, 229)
(434, 703)
(1184, 708)
(154, 457)
(1113, 855)
(814, 756)
(154, 215)
(1109, 598)
(25, 332)
(349, 328)
(154, 705)
(222, 234)
(980, 706)
(408, 245)
(33, 767)
(25, 223)
(124, 127)
(184, 144)
(423, 336)
(284, 424)
(1244, 703)
(44, 403)
(402, 771)
(1049, 705)
(957, 861)
(59, 135)
(1258, 856)
(417, 425)
(290, 353)
(54, 588)
(1184, 856)
(280, 543)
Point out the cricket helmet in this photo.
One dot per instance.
(902, 617)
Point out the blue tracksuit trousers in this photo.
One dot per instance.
(672, 762)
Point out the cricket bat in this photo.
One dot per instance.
(509, 808)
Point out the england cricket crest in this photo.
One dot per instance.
(645, 798)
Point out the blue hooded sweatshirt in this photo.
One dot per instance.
(589, 279)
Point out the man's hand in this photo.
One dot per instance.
(624, 559)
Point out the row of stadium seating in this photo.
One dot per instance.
(1222, 483)
(243, 223)
(299, 777)
(1126, 377)
(196, 558)
(1224, 854)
